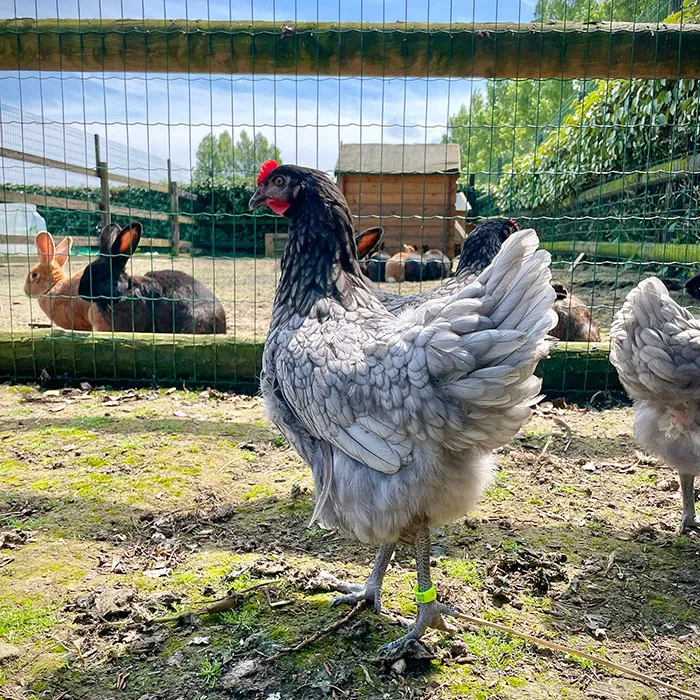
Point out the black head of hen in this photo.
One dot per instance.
(320, 258)
(483, 243)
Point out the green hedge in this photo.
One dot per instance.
(223, 225)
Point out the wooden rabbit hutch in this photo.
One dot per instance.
(409, 190)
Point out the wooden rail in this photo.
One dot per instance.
(79, 169)
(401, 49)
(53, 202)
(646, 252)
(105, 207)
(91, 241)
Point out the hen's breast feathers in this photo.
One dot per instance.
(455, 371)
(656, 346)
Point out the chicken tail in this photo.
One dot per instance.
(642, 335)
(487, 340)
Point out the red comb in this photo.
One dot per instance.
(265, 169)
(515, 223)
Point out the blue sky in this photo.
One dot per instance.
(307, 117)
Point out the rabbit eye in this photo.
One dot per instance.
(35, 275)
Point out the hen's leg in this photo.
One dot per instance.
(689, 521)
(371, 590)
(429, 614)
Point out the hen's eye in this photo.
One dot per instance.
(278, 181)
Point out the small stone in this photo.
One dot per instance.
(399, 667)
(8, 652)
(223, 513)
(243, 669)
(176, 659)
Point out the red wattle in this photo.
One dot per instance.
(278, 206)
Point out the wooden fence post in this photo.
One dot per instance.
(103, 174)
(174, 211)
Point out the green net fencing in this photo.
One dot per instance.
(579, 119)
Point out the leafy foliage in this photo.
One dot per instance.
(219, 161)
(509, 119)
(621, 126)
(224, 224)
(504, 121)
(605, 11)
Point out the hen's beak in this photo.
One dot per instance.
(257, 200)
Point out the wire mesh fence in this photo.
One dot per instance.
(578, 119)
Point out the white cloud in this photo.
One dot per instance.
(167, 116)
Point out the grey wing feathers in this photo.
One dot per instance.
(396, 303)
(656, 345)
(457, 371)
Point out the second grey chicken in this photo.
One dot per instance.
(656, 351)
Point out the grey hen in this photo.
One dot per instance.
(397, 416)
(656, 351)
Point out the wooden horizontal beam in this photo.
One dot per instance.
(147, 214)
(46, 162)
(224, 361)
(633, 182)
(79, 169)
(48, 201)
(401, 49)
(135, 182)
(645, 252)
(85, 205)
(129, 358)
(83, 241)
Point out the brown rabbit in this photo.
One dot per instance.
(56, 293)
(575, 321)
(396, 266)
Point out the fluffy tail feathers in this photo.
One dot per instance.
(486, 340)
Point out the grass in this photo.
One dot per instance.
(138, 489)
(22, 619)
(210, 672)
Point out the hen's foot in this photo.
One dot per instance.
(690, 523)
(353, 593)
(429, 615)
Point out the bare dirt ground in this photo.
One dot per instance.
(246, 287)
(118, 508)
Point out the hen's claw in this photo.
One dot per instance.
(429, 615)
(355, 592)
(690, 524)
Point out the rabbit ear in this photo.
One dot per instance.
(109, 233)
(63, 251)
(367, 241)
(45, 246)
(127, 241)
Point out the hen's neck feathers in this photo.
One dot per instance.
(320, 258)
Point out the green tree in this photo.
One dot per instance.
(510, 118)
(504, 120)
(219, 161)
(604, 11)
